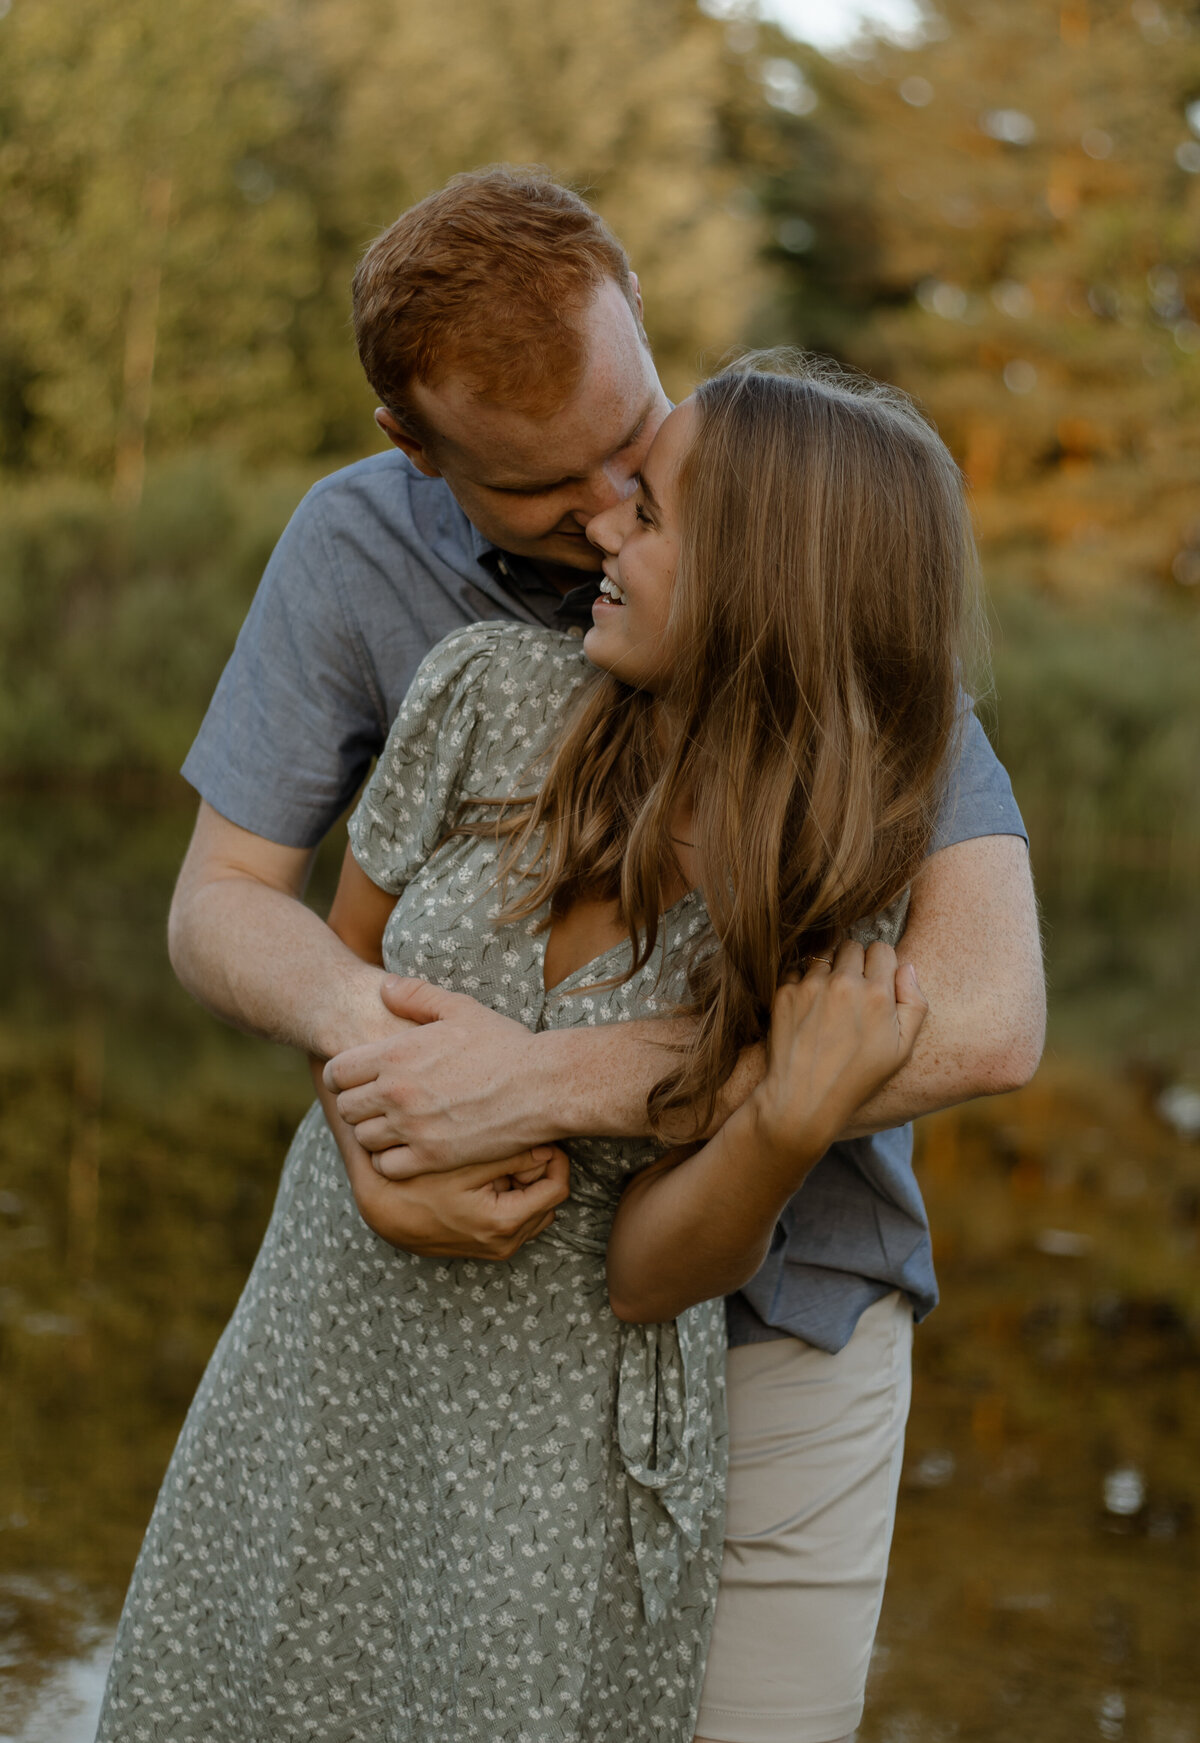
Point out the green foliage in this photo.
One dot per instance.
(114, 626)
(1096, 715)
(184, 192)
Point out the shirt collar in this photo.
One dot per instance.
(571, 611)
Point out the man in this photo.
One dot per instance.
(501, 328)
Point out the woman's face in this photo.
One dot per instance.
(640, 542)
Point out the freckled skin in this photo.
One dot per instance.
(589, 450)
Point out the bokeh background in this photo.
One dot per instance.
(996, 204)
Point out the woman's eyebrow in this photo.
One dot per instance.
(646, 490)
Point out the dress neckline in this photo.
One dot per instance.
(566, 984)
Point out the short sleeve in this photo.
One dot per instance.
(885, 927)
(978, 801)
(979, 797)
(417, 784)
(296, 717)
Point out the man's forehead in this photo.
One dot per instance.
(502, 444)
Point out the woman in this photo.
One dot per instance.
(436, 1500)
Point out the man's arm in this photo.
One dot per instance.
(469, 1085)
(973, 936)
(245, 946)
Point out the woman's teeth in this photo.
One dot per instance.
(611, 591)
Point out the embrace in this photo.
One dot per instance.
(565, 1402)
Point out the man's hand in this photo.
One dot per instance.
(485, 1211)
(461, 1086)
(469, 1085)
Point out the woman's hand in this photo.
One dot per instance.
(836, 1037)
(487, 1210)
(697, 1225)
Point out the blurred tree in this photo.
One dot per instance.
(149, 265)
(1003, 218)
(621, 100)
(184, 193)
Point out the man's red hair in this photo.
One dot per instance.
(486, 279)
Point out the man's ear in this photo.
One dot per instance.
(641, 313)
(408, 444)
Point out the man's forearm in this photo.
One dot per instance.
(243, 944)
(469, 1085)
(973, 938)
(972, 1047)
(261, 960)
(983, 1034)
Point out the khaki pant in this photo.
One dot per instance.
(816, 1443)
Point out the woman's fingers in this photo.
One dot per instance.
(834, 1039)
(531, 1165)
(879, 965)
(536, 1229)
(849, 959)
(526, 1205)
(394, 1164)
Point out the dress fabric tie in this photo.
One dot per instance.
(670, 1427)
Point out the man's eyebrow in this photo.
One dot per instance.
(535, 488)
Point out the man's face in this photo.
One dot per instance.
(531, 484)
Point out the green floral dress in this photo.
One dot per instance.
(440, 1501)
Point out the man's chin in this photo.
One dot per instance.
(569, 553)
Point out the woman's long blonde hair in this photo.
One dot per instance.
(825, 573)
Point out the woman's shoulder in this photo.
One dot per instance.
(530, 643)
(506, 665)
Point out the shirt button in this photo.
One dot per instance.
(575, 631)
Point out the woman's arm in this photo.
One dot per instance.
(698, 1223)
(360, 912)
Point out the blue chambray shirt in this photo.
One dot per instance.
(376, 565)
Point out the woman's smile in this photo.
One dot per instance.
(612, 591)
(640, 542)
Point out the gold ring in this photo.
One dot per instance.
(823, 959)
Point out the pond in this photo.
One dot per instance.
(1045, 1575)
